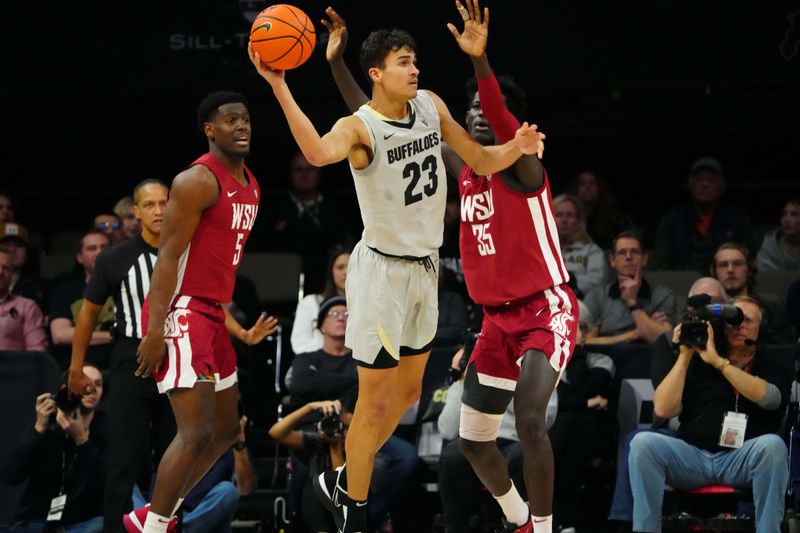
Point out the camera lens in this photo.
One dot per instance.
(65, 403)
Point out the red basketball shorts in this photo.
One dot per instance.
(198, 346)
(546, 322)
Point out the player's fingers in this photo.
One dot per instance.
(462, 11)
(476, 11)
(453, 30)
(486, 16)
(327, 25)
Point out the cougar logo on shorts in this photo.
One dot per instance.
(177, 323)
(559, 324)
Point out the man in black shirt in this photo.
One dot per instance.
(141, 420)
(730, 408)
(62, 454)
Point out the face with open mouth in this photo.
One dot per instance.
(231, 129)
(477, 125)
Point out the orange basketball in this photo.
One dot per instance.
(283, 36)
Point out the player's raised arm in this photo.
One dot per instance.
(472, 41)
(319, 151)
(486, 160)
(348, 87)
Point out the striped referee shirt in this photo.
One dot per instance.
(123, 271)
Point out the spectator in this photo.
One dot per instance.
(305, 222)
(583, 258)
(131, 226)
(780, 249)
(111, 225)
(793, 306)
(25, 279)
(6, 208)
(730, 407)
(306, 335)
(22, 325)
(584, 427)
(604, 220)
(662, 362)
(630, 308)
(453, 313)
(66, 301)
(691, 230)
(734, 267)
(62, 453)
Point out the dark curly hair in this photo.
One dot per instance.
(516, 99)
(209, 107)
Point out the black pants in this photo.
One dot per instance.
(141, 426)
(576, 437)
(459, 487)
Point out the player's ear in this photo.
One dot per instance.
(374, 74)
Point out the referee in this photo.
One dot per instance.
(140, 419)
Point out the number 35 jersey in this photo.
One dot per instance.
(402, 192)
(207, 268)
(508, 238)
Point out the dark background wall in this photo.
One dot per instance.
(100, 96)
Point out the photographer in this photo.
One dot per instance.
(323, 449)
(62, 455)
(731, 405)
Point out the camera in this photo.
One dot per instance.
(468, 340)
(694, 331)
(66, 402)
(331, 426)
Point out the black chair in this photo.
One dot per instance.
(23, 377)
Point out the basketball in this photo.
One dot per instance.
(283, 36)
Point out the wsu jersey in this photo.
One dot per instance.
(402, 192)
(509, 242)
(207, 268)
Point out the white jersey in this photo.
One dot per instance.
(402, 192)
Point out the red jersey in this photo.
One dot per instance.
(207, 268)
(509, 242)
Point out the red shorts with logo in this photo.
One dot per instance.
(198, 345)
(546, 322)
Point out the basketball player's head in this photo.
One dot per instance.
(477, 125)
(224, 118)
(150, 201)
(388, 58)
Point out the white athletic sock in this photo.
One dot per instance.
(515, 509)
(177, 505)
(543, 524)
(155, 523)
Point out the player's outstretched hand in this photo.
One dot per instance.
(272, 76)
(150, 354)
(529, 140)
(337, 35)
(472, 40)
(264, 326)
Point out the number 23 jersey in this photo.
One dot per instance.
(207, 268)
(403, 190)
(508, 238)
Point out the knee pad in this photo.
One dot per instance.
(477, 426)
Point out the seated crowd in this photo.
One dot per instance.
(719, 402)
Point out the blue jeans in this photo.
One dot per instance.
(395, 465)
(214, 513)
(93, 525)
(622, 501)
(656, 459)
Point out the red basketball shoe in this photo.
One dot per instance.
(134, 521)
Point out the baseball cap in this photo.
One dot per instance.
(326, 305)
(706, 163)
(585, 319)
(12, 230)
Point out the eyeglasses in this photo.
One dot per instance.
(107, 225)
(338, 314)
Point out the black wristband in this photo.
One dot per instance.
(239, 446)
(634, 307)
